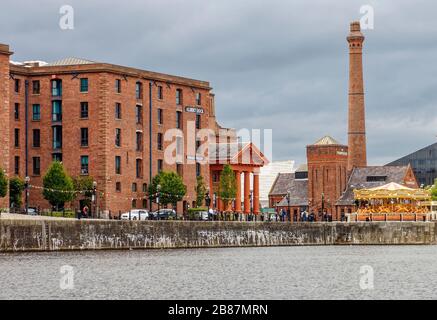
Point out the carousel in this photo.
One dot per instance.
(392, 202)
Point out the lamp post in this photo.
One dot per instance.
(288, 202)
(158, 200)
(251, 205)
(95, 198)
(26, 186)
(323, 204)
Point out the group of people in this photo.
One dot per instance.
(283, 216)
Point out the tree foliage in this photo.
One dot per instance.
(228, 185)
(58, 186)
(200, 191)
(3, 184)
(434, 191)
(16, 187)
(172, 188)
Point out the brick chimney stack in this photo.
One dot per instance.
(357, 122)
(4, 115)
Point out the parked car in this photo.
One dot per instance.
(135, 215)
(164, 214)
(32, 212)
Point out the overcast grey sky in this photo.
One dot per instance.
(276, 64)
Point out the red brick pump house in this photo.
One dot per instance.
(104, 121)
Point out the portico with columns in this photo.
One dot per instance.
(245, 160)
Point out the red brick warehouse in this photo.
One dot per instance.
(104, 121)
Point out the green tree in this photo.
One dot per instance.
(434, 191)
(228, 185)
(3, 184)
(85, 185)
(172, 188)
(58, 186)
(200, 191)
(16, 187)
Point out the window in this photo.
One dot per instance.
(57, 157)
(139, 141)
(160, 116)
(180, 170)
(17, 111)
(134, 203)
(139, 90)
(117, 165)
(118, 186)
(57, 137)
(145, 187)
(134, 187)
(198, 121)
(17, 85)
(117, 110)
(376, 178)
(118, 85)
(84, 165)
(17, 138)
(36, 166)
(198, 98)
(178, 120)
(84, 137)
(139, 168)
(144, 203)
(118, 137)
(57, 110)
(139, 114)
(57, 88)
(36, 112)
(84, 110)
(84, 85)
(198, 170)
(178, 96)
(198, 145)
(159, 141)
(160, 165)
(160, 93)
(36, 138)
(17, 165)
(36, 87)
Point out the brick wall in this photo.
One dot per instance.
(4, 115)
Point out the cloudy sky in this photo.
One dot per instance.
(273, 64)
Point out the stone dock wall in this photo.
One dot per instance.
(52, 235)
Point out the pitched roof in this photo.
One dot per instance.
(245, 153)
(282, 184)
(359, 180)
(326, 140)
(268, 176)
(298, 194)
(70, 62)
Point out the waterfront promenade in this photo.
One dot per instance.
(24, 233)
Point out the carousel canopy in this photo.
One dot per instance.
(392, 191)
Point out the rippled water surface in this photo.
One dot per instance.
(400, 272)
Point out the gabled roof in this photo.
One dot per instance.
(282, 184)
(69, 62)
(237, 153)
(359, 180)
(298, 194)
(326, 140)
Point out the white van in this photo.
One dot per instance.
(135, 215)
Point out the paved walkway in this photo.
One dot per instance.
(14, 216)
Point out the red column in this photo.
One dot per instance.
(256, 193)
(247, 192)
(238, 196)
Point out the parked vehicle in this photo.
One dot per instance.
(164, 214)
(135, 215)
(32, 212)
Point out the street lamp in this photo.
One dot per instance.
(288, 202)
(95, 198)
(158, 189)
(26, 186)
(251, 205)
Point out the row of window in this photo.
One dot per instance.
(84, 169)
(56, 88)
(84, 113)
